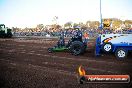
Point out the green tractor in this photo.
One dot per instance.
(75, 45)
(5, 32)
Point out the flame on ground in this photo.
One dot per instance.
(81, 71)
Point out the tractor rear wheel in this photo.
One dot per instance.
(77, 48)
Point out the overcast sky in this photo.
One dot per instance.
(29, 13)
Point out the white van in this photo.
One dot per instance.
(120, 44)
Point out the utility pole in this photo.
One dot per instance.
(101, 27)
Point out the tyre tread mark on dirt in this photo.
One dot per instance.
(42, 68)
(94, 69)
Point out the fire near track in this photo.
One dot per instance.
(25, 63)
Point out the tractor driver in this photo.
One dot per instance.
(77, 35)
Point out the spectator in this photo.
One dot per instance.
(86, 36)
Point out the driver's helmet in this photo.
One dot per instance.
(77, 28)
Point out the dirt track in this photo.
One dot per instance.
(25, 63)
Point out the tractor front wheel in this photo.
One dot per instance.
(50, 50)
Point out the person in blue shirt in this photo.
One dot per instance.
(61, 41)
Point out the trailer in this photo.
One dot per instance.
(120, 44)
